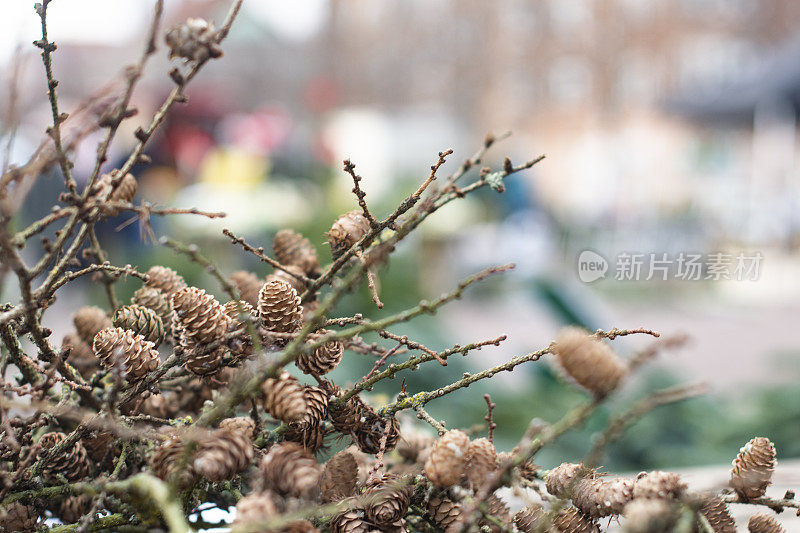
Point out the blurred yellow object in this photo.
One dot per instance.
(233, 167)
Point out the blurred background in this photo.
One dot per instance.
(670, 127)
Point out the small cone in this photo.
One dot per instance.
(310, 437)
(98, 445)
(156, 300)
(165, 463)
(602, 497)
(415, 446)
(73, 463)
(124, 193)
(71, 509)
(222, 455)
(570, 520)
(647, 515)
(291, 248)
(241, 345)
(89, 320)
(254, 508)
(193, 40)
(339, 478)
(201, 320)
(141, 320)
(658, 484)
(323, 359)
(241, 425)
(527, 470)
(289, 470)
(388, 497)
(561, 478)
(165, 279)
(289, 277)
(446, 513)
(447, 464)
(764, 523)
(284, 398)
(316, 406)
(80, 355)
(346, 231)
(279, 307)
(498, 510)
(16, 517)
(347, 418)
(530, 519)
(117, 347)
(718, 516)
(248, 285)
(753, 467)
(589, 361)
(350, 521)
(370, 430)
(481, 461)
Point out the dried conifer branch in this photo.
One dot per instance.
(422, 414)
(259, 252)
(350, 168)
(489, 421)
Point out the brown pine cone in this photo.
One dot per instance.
(291, 248)
(481, 461)
(248, 285)
(316, 406)
(527, 470)
(200, 315)
(72, 508)
(602, 497)
(254, 508)
(222, 454)
(165, 279)
(157, 301)
(346, 231)
(658, 484)
(447, 464)
(570, 520)
(648, 515)
(16, 517)
(350, 521)
(168, 461)
(125, 192)
(497, 509)
(80, 355)
(323, 359)
(300, 526)
(446, 513)
(370, 431)
(530, 519)
(311, 437)
(289, 277)
(284, 398)
(240, 346)
(89, 320)
(193, 40)
(279, 307)
(560, 479)
(345, 418)
(120, 347)
(98, 444)
(290, 470)
(162, 405)
(718, 516)
(241, 425)
(339, 477)
(589, 361)
(415, 446)
(764, 523)
(141, 320)
(388, 498)
(72, 463)
(752, 469)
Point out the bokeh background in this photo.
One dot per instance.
(669, 127)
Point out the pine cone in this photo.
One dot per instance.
(589, 361)
(117, 346)
(658, 484)
(290, 470)
(718, 516)
(530, 519)
(98, 444)
(350, 521)
(446, 513)
(291, 248)
(752, 469)
(16, 517)
(80, 355)
(194, 40)
(347, 418)
(570, 520)
(497, 509)
(223, 454)
(89, 320)
(481, 461)
(248, 285)
(241, 425)
(165, 279)
(284, 398)
(527, 470)
(71, 463)
(370, 431)
(254, 508)
(415, 446)
(141, 320)
(339, 478)
(764, 523)
(560, 479)
(311, 437)
(316, 406)
(125, 192)
(648, 515)
(200, 315)
(240, 346)
(323, 359)
(602, 497)
(346, 231)
(156, 300)
(72, 508)
(282, 275)
(166, 463)
(388, 498)
(279, 307)
(447, 464)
